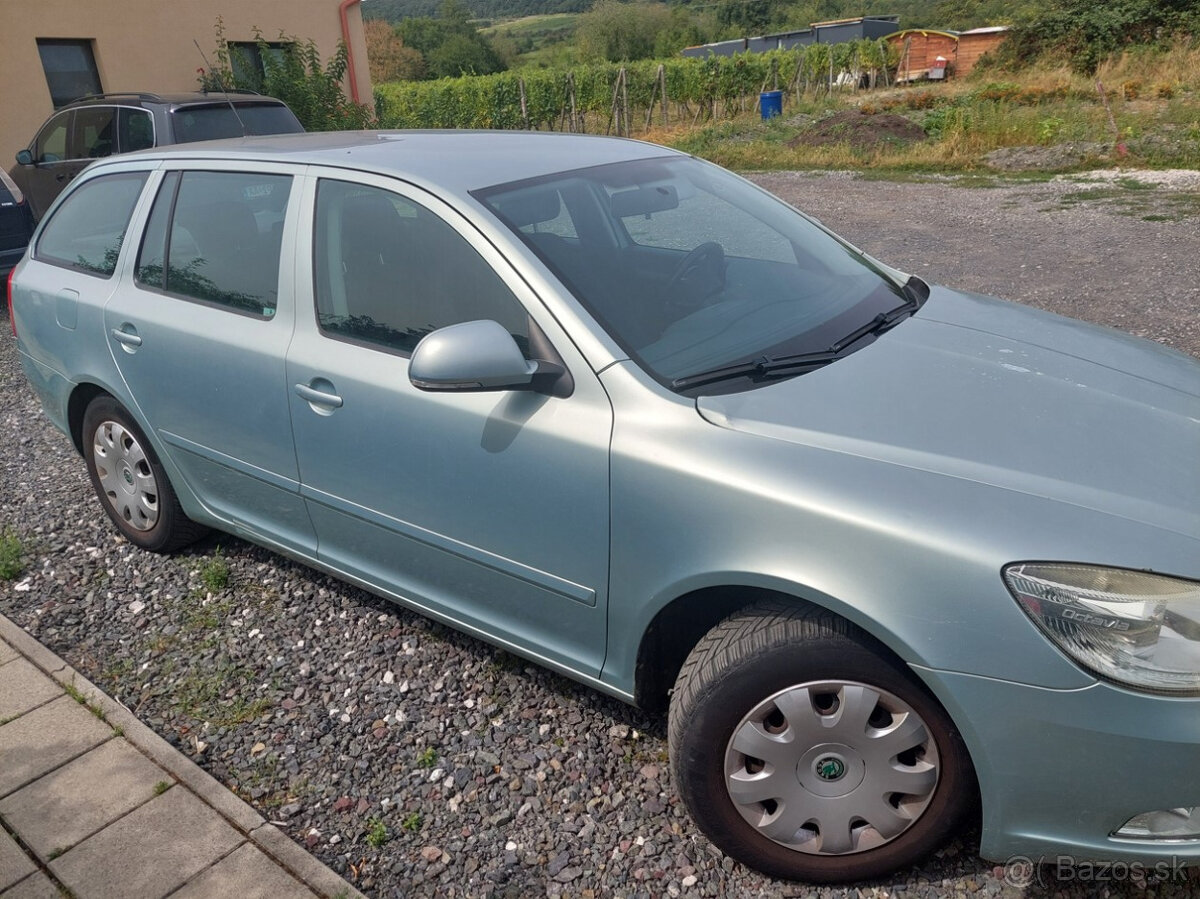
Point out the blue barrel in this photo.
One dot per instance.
(771, 103)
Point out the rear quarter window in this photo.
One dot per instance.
(87, 229)
(211, 122)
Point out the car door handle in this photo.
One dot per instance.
(129, 339)
(318, 397)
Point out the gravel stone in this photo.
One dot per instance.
(318, 703)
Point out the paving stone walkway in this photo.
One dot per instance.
(95, 805)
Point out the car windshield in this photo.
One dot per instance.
(217, 120)
(692, 269)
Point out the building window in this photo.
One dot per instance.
(70, 69)
(246, 60)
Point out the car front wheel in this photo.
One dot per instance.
(130, 481)
(804, 751)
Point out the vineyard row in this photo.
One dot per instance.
(618, 97)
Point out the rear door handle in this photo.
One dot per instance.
(129, 339)
(325, 399)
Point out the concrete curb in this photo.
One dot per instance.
(268, 838)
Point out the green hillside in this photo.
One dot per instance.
(765, 13)
(395, 10)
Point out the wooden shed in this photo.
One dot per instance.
(976, 42)
(919, 49)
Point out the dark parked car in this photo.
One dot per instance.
(104, 124)
(16, 224)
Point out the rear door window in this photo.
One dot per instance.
(215, 237)
(95, 132)
(87, 230)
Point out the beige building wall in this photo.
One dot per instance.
(147, 45)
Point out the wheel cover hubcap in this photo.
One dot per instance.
(831, 767)
(125, 475)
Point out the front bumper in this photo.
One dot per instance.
(1061, 770)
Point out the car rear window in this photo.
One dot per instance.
(87, 229)
(218, 120)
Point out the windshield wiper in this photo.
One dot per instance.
(763, 367)
(880, 323)
(778, 366)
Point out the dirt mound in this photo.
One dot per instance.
(1059, 156)
(859, 130)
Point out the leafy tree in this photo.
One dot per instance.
(964, 14)
(389, 59)
(297, 77)
(746, 16)
(1085, 33)
(616, 31)
(450, 44)
(461, 54)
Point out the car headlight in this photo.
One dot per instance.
(1132, 627)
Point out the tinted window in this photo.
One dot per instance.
(95, 132)
(135, 129)
(70, 69)
(192, 123)
(222, 244)
(389, 271)
(87, 229)
(51, 143)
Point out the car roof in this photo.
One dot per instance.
(146, 98)
(458, 161)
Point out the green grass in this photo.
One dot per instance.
(215, 696)
(412, 823)
(12, 551)
(162, 786)
(534, 26)
(75, 693)
(965, 120)
(214, 573)
(537, 41)
(428, 758)
(377, 833)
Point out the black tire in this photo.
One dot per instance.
(130, 482)
(799, 656)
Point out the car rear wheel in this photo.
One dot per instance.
(804, 751)
(130, 481)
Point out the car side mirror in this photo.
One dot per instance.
(476, 356)
(24, 157)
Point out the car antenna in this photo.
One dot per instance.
(224, 89)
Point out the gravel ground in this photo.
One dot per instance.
(419, 762)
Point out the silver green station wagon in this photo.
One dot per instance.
(890, 554)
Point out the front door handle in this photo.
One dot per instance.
(323, 401)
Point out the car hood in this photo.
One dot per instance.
(1004, 395)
